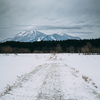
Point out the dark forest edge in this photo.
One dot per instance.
(86, 46)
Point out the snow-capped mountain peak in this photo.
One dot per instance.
(61, 33)
(31, 36)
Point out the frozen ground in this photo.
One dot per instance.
(49, 77)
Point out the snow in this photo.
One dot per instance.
(31, 32)
(53, 38)
(87, 64)
(49, 77)
(21, 33)
(39, 39)
(12, 65)
(60, 33)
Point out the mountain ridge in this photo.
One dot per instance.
(32, 36)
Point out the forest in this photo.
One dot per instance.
(86, 46)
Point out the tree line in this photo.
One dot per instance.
(67, 46)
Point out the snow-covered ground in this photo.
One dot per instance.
(49, 77)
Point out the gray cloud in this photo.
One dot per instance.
(82, 32)
(47, 27)
(88, 25)
(20, 15)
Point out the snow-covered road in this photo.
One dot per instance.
(53, 80)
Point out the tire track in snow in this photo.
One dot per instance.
(52, 81)
(51, 87)
(27, 87)
(74, 87)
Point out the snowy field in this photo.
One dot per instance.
(49, 77)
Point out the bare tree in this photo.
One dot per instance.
(71, 49)
(58, 49)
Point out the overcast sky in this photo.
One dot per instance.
(75, 17)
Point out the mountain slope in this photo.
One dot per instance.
(31, 36)
(27, 36)
(64, 36)
(59, 36)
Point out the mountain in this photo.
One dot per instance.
(27, 36)
(59, 36)
(31, 36)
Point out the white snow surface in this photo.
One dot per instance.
(61, 33)
(49, 77)
(39, 39)
(53, 38)
(20, 34)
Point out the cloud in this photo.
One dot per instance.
(83, 15)
(48, 27)
(82, 32)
